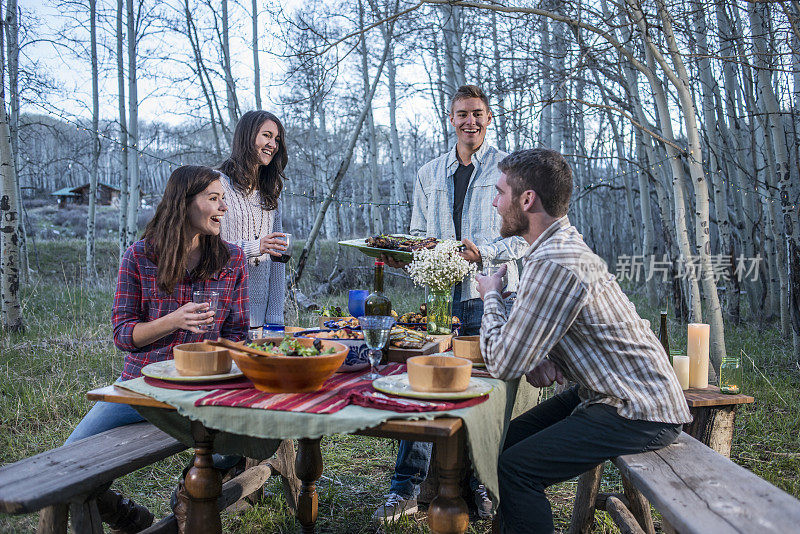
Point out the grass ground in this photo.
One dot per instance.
(67, 351)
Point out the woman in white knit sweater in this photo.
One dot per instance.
(253, 180)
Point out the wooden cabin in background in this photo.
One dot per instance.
(106, 195)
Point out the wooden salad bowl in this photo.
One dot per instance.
(274, 373)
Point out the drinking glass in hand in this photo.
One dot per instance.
(287, 254)
(489, 270)
(376, 330)
(206, 297)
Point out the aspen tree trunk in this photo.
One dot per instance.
(453, 51)
(678, 178)
(124, 182)
(402, 212)
(680, 81)
(559, 113)
(788, 245)
(256, 63)
(230, 85)
(438, 96)
(133, 132)
(344, 165)
(732, 135)
(708, 87)
(9, 218)
(758, 292)
(202, 75)
(12, 35)
(546, 119)
(376, 221)
(500, 112)
(90, 220)
(400, 215)
(648, 232)
(794, 250)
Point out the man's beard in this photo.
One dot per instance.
(514, 222)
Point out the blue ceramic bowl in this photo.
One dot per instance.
(357, 357)
(355, 301)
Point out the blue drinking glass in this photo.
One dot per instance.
(355, 301)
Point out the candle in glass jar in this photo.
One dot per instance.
(680, 364)
(697, 350)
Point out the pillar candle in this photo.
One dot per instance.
(697, 350)
(680, 364)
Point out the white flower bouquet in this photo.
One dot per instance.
(439, 268)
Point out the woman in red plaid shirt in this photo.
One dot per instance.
(181, 251)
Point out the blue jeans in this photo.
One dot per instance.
(107, 415)
(104, 416)
(552, 442)
(414, 457)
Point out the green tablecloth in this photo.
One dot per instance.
(257, 433)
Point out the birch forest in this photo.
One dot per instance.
(680, 119)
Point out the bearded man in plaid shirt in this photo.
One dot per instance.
(570, 320)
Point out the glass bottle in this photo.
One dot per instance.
(663, 336)
(377, 303)
(730, 375)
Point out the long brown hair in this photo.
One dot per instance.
(167, 233)
(244, 167)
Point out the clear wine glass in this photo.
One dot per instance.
(376, 330)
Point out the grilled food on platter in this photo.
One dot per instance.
(405, 244)
(405, 338)
(342, 333)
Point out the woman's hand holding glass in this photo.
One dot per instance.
(273, 244)
(193, 316)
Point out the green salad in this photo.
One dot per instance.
(292, 347)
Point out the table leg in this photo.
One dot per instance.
(203, 485)
(308, 466)
(448, 512)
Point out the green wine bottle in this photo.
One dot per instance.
(377, 303)
(663, 337)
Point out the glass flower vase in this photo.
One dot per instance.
(439, 304)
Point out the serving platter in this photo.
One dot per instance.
(398, 385)
(373, 252)
(165, 370)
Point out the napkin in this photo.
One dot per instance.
(239, 383)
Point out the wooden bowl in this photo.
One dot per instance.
(201, 359)
(468, 347)
(290, 374)
(438, 373)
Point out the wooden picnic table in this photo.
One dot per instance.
(447, 513)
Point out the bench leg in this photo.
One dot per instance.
(585, 496)
(85, 517)
(53, 520)
(284, 463)
(639, 506)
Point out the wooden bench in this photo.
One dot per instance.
(65, 481)
(67, 478)
(697, 491)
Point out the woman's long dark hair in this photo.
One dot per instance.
(244, 167)
(167, 233)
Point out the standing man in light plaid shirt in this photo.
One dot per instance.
(452, 200)
(570, 320)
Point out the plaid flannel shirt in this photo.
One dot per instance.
(139, 299)
(432, 211)
(571, 309)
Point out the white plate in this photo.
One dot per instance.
(398, 385)
(165, 370)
